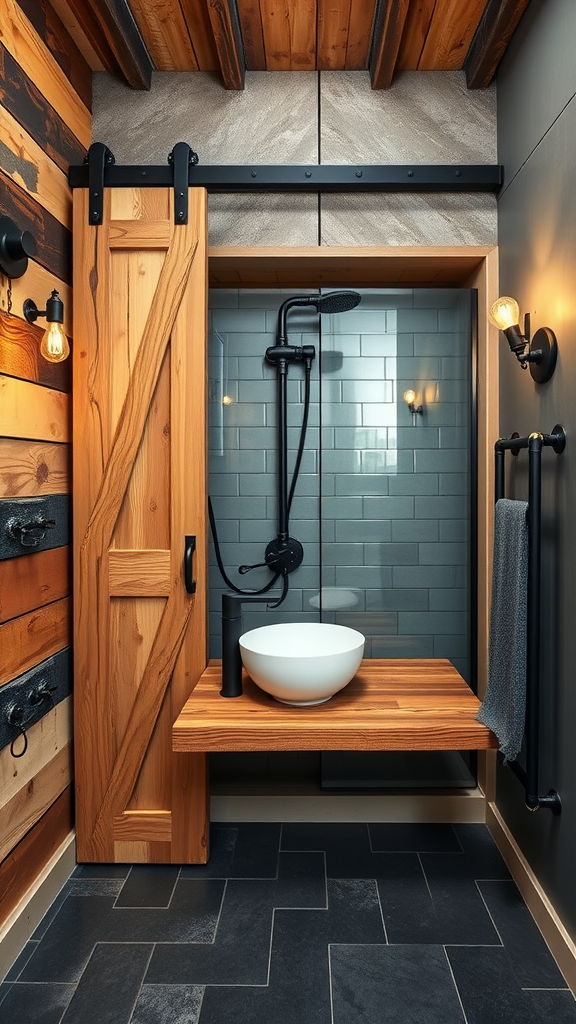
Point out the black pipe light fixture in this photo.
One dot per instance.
(54, 345)
(542, 349)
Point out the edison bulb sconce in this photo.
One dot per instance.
(542, 350)
(54, 346)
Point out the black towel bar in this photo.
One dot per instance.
(535, 442)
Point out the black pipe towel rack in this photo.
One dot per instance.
(535, 442)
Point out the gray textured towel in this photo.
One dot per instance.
(504, 705)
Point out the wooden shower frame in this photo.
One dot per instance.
(402, 266)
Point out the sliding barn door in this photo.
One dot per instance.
(140, 294)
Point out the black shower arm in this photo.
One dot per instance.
(295, 300)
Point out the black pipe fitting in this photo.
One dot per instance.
(275, 354)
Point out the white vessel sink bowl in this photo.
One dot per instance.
(302, 663)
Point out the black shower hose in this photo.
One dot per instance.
(302, 441)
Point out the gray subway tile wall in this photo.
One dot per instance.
(382, 506)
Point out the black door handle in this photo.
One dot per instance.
(189, 549)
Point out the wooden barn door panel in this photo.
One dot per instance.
(140, 480)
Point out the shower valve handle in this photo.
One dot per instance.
(243, 569)
(282, 556)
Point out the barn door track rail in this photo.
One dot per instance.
(101, 171)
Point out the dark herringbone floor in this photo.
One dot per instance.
(295, 924)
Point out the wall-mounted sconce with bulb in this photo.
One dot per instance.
(54, 345)
(409, 397)
(542, 350)
(15, 248)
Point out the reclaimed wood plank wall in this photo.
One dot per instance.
(45, 125)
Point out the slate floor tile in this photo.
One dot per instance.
(35, 1004)
(440, 910)
(82, 921)
(298, 987)
(101, 871)
(50, 915)
(413, 837)
(191, 917)
(491, 994)
(255, 851)
(149, 885)
(552, 1007)
(222, 845)
(532, 962)
(393, 985)
(303, 835)
(481, 859)
(109, 986)
(241, 949)
(168, 1004)
(239, 954)
(94, 886)
(65, 948)
(353, 915)
(347, 847)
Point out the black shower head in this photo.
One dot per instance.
(337, 302)
(332, 302)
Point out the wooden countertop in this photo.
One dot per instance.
(391, 704)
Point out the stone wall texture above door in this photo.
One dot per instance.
(313, 117)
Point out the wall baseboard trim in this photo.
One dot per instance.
(30, 910)
(561, 946)
(470, 806)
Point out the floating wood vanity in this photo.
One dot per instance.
(391, 704)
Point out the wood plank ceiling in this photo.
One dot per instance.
(134, 37)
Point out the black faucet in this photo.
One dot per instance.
(231, 633)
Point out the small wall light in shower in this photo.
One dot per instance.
(54, 345)
(409, 397)
(542, 350)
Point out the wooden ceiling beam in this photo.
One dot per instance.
(490, 40)
(386, 38)
(228, 38)
(115, 37)
(251, 27)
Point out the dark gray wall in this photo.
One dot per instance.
(537, 237)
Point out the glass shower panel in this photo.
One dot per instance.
(396, 498)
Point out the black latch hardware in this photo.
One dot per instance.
(30, 534)
(189, 549)
(99, 158)
(181, 158)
